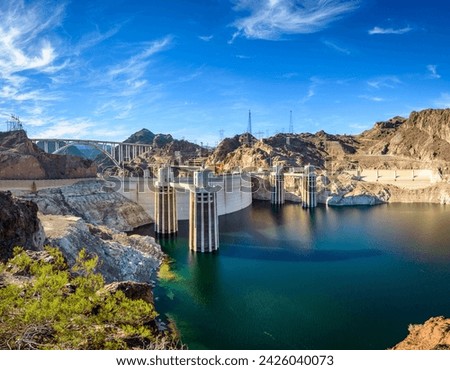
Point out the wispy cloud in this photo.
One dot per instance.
(270, 19)
(314, 83)
(92, 39)
(241, 56)
(376, 99)
(358, 126)
(67, 129)
(443, 101)
(336, 47)
(433, 71)
(31, 53)
(130, 74)
(206, 38)
(289, 75)
(384, 82)
(389, 31)
(24, 37)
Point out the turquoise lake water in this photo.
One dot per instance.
(329, 278)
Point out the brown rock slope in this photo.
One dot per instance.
(424, 137)
(433, 334)
(19, 225)
(282, 149)
(20, 159)
(421, 141)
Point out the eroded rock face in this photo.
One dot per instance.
(19, 226)
(121, 257)
(93, 201)
(433, 334)
(20, 159)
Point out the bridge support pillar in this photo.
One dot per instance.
(308, 189)
(277, 184)
(166, 221)
(203, 216)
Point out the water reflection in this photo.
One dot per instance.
(327, 278)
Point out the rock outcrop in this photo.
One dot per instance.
(131, 289)
(121, 257)
(20, 159)
(433, 334)
(19, 226)
(424, 136)
(374, 193)
(95, 202)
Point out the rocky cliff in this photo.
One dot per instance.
(121, 257)
(95, 202)
(433, 334)
(424, 136)
(292, 150)
(20, 159)
(19, 226)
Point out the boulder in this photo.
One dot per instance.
(19, 225)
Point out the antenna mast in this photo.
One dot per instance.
(291, 124)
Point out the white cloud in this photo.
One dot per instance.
(433, 71)
(129, 74)
(359, 126)
(270, 19)
(443, 101)
(389, 31)
(384, 82)
(24, 41)
(311, 89)
(336, 47)
(376, 99)
(78, 128)
(92, 39)
(206, 38)
(289, 75)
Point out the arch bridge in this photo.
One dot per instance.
(118, 152)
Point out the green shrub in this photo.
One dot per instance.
(48, 306)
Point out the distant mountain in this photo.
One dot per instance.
(143, 136)
(421, 141)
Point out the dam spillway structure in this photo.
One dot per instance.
(309, 187)
(277, 185)
(203, 215)
(166, 221)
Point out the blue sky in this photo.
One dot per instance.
(105, 69)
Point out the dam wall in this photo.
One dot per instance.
(233, 194)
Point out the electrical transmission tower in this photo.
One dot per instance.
(14, 123)
(221, 131)
(249, 127)
(291, 124)
(259, 134)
